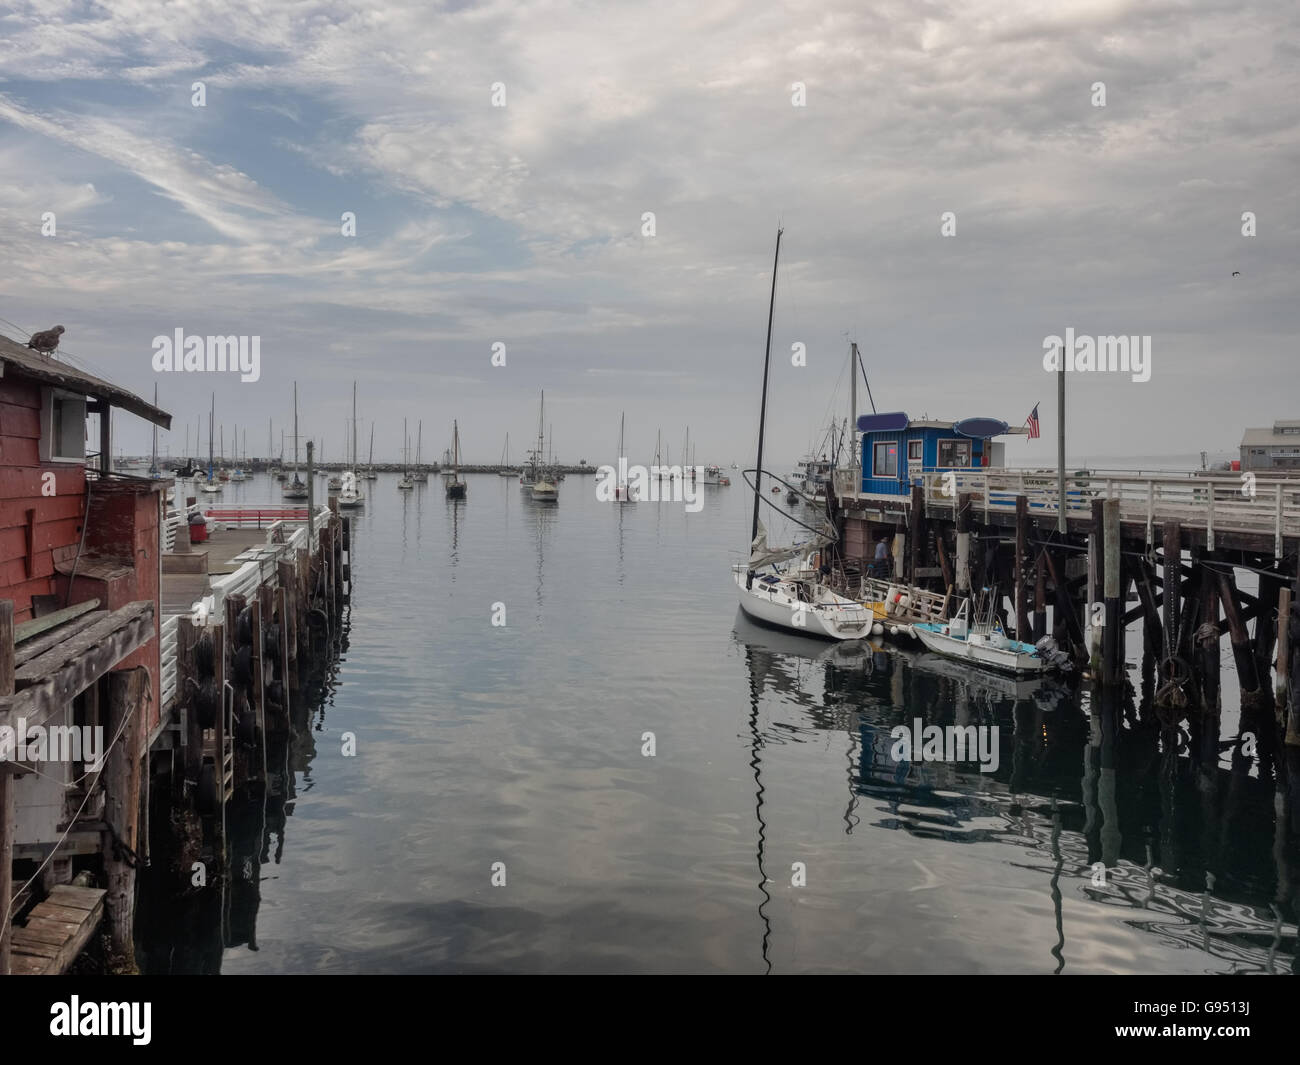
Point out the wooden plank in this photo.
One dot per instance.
(72, 649)
(56, 943)
(39, 700)
(66, 895)
(40, 645)
(35, 627)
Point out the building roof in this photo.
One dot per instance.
(25, 362)
(1262, 437)
(898, 421)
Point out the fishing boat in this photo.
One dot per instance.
(455, 487)
(536, 478)
(405, 484)
(983, 641)
(297, 488)
(421, 475)
(505, 470)
(350, 495)
(213, 484)
(774, 592)
(622, 494)
(713, 475)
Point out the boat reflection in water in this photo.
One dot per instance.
(1098, 802)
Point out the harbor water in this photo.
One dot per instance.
(551, 743)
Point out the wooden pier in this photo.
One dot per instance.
(1116, 548)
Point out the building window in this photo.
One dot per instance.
(915, 450)
(63, 427)
(885, 461)
(954, 453)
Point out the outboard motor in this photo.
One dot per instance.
(1049, 652)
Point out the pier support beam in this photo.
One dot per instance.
(1022, 592)
(963, 544)
(1241, 649)
(1040, 598)
(121, 778)
(1113, 629)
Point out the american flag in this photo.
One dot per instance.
(1033, 423)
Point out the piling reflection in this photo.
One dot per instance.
(186, 932)
(1096, 793)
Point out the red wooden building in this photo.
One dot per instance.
(80, 573)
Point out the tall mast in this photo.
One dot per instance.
(211, 418)
(153, 461)
(354, 426)
(372, 444)
(295, 430)
(853, 408)
(762, 413)
(419, 439)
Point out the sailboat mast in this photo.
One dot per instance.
(295, 429)
(211, 418)
(354, 426)
(154, 458)
(762, 412)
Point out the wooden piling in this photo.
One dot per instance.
(121, 779)
(963, 544)
(1019, 564)
(1040, 598)
(1241, 649)
(915, 517)
(1113, 629)
(7, 780)
(1283, 664)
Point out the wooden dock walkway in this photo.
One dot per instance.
(57, 930)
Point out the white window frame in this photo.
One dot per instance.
(48, 444)
(938, 452)
(874, 472)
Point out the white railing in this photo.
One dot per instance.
(1228, 503)
(280, 544)
(167, 653)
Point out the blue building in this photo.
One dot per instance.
(896, 451)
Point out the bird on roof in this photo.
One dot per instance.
(46, 341)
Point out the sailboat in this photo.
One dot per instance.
(504, 469)
(370, 474)
(535, 478)
(335, 483)
(212, 484)
(456, 487)
(421, 475)
(297, 488)
(546, 485)
(405, 484)
(791, 597)
(350, 496)
(621, 492)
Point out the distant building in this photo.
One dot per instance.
(1272, 449)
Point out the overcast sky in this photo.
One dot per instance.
(522, 224)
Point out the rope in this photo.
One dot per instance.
(75, 817)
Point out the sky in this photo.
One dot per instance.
(500, 160)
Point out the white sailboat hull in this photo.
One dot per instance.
(829, 617)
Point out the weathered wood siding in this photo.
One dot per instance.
(51, 522)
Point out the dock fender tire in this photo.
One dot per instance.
(203, 660)
(243, 671)
(246, 727)
(207, 702)
(207, 789)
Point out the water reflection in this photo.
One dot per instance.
(188, 930)
(1103, 800)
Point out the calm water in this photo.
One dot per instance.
(522, 744)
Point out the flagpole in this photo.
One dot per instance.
(1060, 445)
